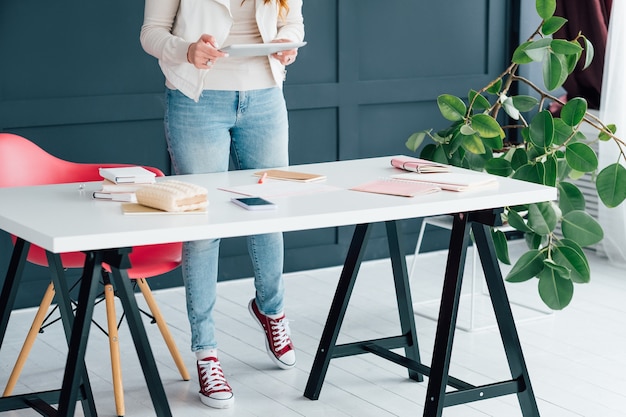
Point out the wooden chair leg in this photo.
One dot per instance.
(162, 325)
(30, 339)
(114, 347)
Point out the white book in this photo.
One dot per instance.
(123, 187)
(130, 174)
(124, 197)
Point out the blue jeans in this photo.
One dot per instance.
(252, 127)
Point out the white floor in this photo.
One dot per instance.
(576, 357)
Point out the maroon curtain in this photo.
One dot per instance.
(591, 17)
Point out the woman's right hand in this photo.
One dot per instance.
(204, 52)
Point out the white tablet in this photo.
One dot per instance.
(260, 49)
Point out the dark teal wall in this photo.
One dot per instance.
(75, 80)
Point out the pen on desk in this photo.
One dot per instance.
(262, 178)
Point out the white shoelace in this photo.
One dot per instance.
(212, 376)
(280, 333)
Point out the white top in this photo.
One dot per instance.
(64, 218)
(241, 73)
(170, 26)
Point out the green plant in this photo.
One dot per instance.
(551, 151)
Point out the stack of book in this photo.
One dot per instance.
(120, 183)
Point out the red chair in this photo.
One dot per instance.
(23, 163)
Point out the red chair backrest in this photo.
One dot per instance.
(23, 163)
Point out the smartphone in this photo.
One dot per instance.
(254, 203)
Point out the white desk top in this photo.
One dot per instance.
(62, 218)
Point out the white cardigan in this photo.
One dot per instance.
(170, 26)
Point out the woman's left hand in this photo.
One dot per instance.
(287, 57)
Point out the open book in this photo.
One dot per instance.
(419, 165)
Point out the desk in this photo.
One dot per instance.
(62, 218)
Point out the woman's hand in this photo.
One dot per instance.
(203, 53)
(287, 57)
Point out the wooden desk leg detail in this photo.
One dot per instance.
(504, 317)
(42, 311)
(403, 296)
(162, 325)
(118, 260)
(337, 311)
(114, 348)
(444, 337)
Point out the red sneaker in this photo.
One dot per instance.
(277, 341)
(214, 390)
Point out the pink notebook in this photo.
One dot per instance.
(397, 187)
(422, 166)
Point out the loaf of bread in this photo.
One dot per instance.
(172, 195)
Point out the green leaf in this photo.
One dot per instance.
(563, 169)
(552, 24)
(473, 144)
(501, 246)
(520, 56)
(550, 171)
(486, 126)
(516, 221)
(440, 139)
(562, 132)
(451, 107)
(529, 265)
(533, 240)
(556, 292)
(580, 227)
(480, 102)
(467, 130)
(474, 161)
(570, 197)
(524, 103)
(454, 144)
(537, 50)
(604, 136)
(564, 47)
(499, 166)
(415, 140)
(574, 111)
(494, 143)
(570, 62)
(510, 109)
(574, 246)
(574, 261)
(495, 88)
(559, 270)
(554, 71)
(581, 157)
(542, 218)
(541, 133)
(610, 184)
(589, 53)
(439, 155)
(519, 158)
(530, 172)
(545, 8)
(525, 134)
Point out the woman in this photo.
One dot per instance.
(217, 108)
